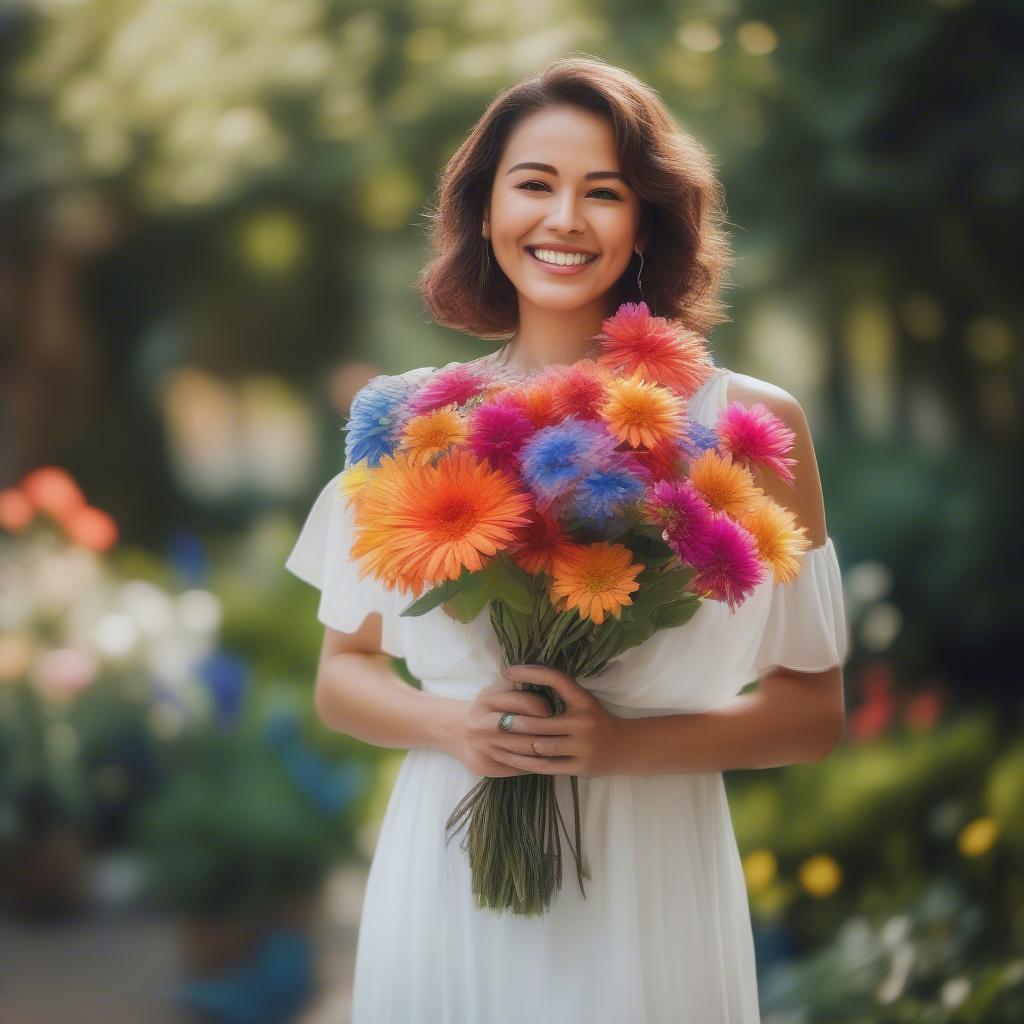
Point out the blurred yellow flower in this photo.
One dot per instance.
(352, 481)
(976, 837)
(760, 868)
(820, 875)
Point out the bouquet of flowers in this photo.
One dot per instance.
(584, 510)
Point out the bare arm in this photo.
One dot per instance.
(792, 718)
(360, 694)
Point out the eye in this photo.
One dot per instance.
(607, 191)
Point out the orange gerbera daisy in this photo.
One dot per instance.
(660, 350)
(432, 433)
(780, 542)
(725, 485)
(422, 523)
(595, 579)
(641, 413)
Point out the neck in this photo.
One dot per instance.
(547, 336)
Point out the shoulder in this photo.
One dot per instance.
(804, 497)
(385, 382)
(749, 390)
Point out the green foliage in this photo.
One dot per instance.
(861, 789)
(231, 832)
(921, 964)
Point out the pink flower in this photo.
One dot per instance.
(497, 432)
(686, 516)
(64, 672)
(756, 436)
(871, 719)
(455, 385)
(580, 390)
(728, 568)
(660, 350)
(874, 716)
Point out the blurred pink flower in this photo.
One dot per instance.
(874, 716)
(64, 672)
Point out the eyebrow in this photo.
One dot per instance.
(532, 165)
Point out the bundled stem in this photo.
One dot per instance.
(512, 839)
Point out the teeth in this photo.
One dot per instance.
(562, 259)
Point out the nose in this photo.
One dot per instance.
(564, 213)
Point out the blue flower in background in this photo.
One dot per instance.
(699, 439)
(186, 552)
(603, 493)
(330, 787)
(375, 419)
(227, 678)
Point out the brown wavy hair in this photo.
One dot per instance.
(686, 250)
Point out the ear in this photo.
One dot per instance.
(487, 222)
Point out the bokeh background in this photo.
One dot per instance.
(211, 219)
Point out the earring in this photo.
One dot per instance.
(639, 253)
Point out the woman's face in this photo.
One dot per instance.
(576, 200)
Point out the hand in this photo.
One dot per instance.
(585, 740)
(477, 734)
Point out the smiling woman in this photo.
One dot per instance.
(574, 193)
(584, 157)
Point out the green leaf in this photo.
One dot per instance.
(678, 613)
(467, 604)
(511, 584)
(439, 594)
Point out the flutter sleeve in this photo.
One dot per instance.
(321, 557)
(806, 628)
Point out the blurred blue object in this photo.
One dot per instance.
(329, 786)
(187, 553)
(227, 678)
(271, 988)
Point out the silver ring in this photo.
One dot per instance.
(506, 720)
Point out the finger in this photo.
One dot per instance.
(532, 746)
(574, 695)
(521, 703)
(538, 765)
(528, 725)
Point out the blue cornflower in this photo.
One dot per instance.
(375, 419)
(604, 492)
(555, 458)
(698, 439)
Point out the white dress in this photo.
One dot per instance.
(664, 933)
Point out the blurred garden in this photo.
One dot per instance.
(212, 216)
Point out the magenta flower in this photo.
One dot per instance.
(455, 385)
(498, 430)
(756, 436)
(686, 516)
(728, 568)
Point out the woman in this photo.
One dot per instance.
(573, 193)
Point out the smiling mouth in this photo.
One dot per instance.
(554, 258)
